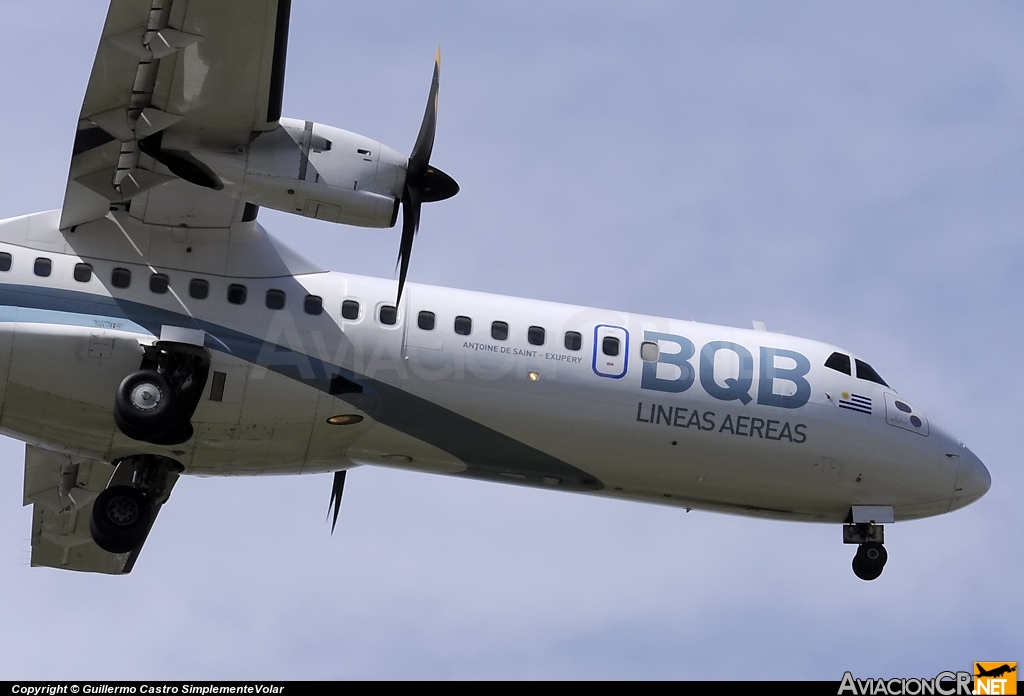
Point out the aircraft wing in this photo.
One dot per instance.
(61, 490)
(170, 75)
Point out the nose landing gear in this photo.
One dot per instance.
(869, 560)
(871, 556)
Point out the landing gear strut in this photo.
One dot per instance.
(123, 513)
(156, 403)
(871, 556)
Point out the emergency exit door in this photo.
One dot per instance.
(611, 351)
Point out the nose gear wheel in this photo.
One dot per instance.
(870, 560)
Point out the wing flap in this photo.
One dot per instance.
(90, 188)
(223, 81)
(117, 57)
(58, 542)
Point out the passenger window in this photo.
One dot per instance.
(535, 335)
(199, 289)
(463, 326)
(120, 278)
(83, 272)
(314, 305)
(388, 315)
(350, 310)
(839, 362)
(499, 330)
(865, 371)
(275, 299)
(610, 346)
(237, 294)
(573, 340)
(649, 351)
(5, 261)
(43, 267)
(426, 321)
(159, 283)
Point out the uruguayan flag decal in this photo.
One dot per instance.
(855, 402)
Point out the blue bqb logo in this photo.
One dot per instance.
(781, 377)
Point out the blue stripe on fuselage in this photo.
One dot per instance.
(30, 315)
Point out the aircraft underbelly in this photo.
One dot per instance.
(59, 391)
(61, 382)
(711, 460)
(6, 345)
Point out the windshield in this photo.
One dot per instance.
(840, 362)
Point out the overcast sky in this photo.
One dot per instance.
(849, 172)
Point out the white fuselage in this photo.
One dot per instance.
(740, 421)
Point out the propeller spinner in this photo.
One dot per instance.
(423, 183)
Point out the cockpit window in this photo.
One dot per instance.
(865, 371)
(839, 362)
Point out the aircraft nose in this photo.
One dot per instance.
(972, 479)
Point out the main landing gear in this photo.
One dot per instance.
(123, 513)
(120, 520)
(871, 556)
(156, 403)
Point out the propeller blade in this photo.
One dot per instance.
(336, 491)
(410, 226)
(423, 183)
(421, 151)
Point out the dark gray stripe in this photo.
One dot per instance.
(488, 454)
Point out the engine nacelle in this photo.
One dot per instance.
(309, 169)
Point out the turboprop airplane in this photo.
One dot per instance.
(151, 328)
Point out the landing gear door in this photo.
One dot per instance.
(611, 351)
